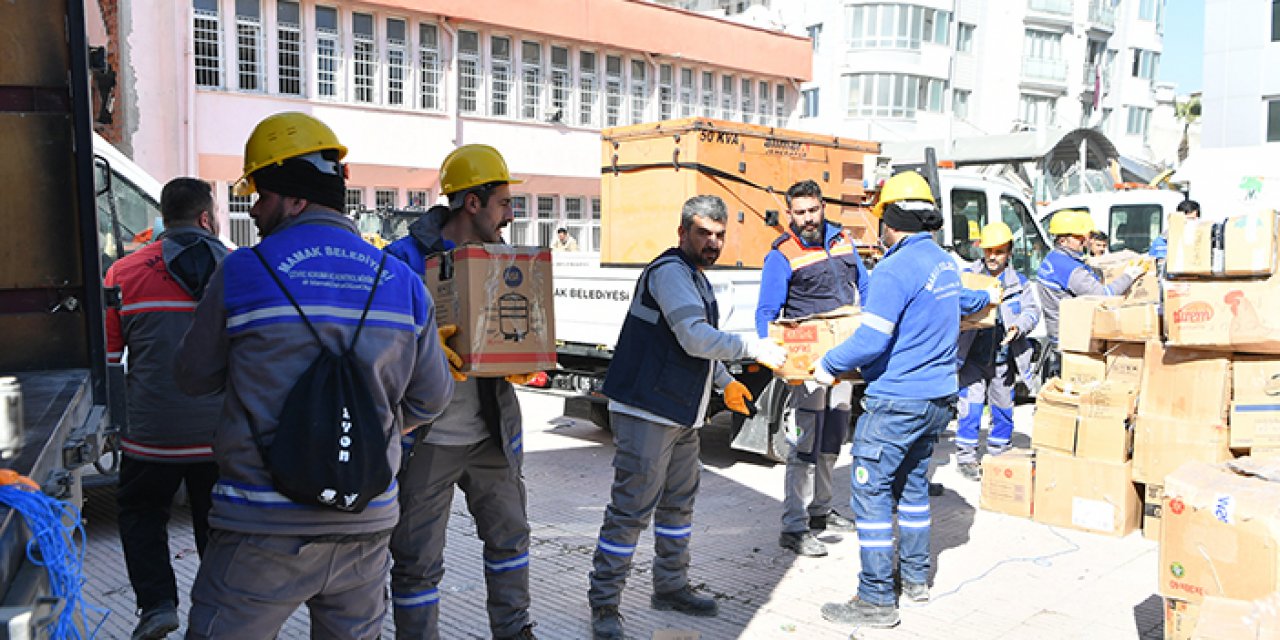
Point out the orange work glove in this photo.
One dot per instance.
(523, 378)
(736, 397)
(455, 360)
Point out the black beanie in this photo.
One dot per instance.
(301, 179)
(912, 216)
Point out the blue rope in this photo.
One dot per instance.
(58, 544)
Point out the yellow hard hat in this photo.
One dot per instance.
(472, 165)
(282, 136)
(1071, 222)
(907, 185)
(996, 234)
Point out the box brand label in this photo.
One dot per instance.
(1193, 313)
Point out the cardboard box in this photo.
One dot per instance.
(1180, 619)
(807, 339)
(1145, 289)
(1190, 247)
(1075, 324)
(1161, 445)
(1090, 495)
(1104, 439)
(1082, 368)
(1124, 363)
(1234, 315)
(1152, 504)
(987, 317)
(1116, 400)
(1255, 407)
(500, 298)
(1129, 323)
(1185, 384)
(1008, 482)
(1220, 531)
(1249, 244)
(1054, 422)
(1228, 619)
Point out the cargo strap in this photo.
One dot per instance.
(715, 173)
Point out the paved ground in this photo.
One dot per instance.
(996, 576)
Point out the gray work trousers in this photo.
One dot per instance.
(656, 474)
(249, 584)
(807, 485)
(495, 495)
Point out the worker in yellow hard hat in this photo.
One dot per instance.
(475, 444)
(993, 360)
(1064, 274)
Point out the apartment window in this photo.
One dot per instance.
(1038, 110)
(666, 92)
(328, 53)
(960, 103)
(249, 45)
(1139, 118)
(547, 219)
(205, 31)
(397, 61)
(708, 94)
(468, 72)
(896, 26)
(745, 93)
(1042, 56)
(500, 77)
(1275, 20)
(810, 99)
(417, 199)
(355, 200)
(639, 90)
(964, 38)
(588, 88)
(384, 198)
(1145, 64)
(612, 91)
(762, 101)
(687, 89)
(289, 39)
(561, 83)
(1273, 120)
(595, 224)
(428, 67)
(893, 95)
(364, 54)
(1151, 10)
(727, 99)
(531, 72)
(780, 105)
(815, 34)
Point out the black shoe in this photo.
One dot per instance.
(862, 614)
(915, 591)
(685, 601)
(832, 522)
(156, 623)
(525, 633)
(936, 489)
(606, 623)
(803, 544)
(971, 471)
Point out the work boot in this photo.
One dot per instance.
(156, 623)
(685, 601)
(862, 614)
(833, 521)
(803, 543)
(971, 471)
(915, 591)
(525, 633)
(606, 623)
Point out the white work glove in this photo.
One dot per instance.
(1134, 270)
(822, 376)
(767, 352)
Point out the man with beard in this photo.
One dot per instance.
(476, 445)
(813, 268)
(993, 359)
(659, 385)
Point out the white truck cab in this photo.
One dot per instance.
(128, 200)
(1132, 218)
(970, 201)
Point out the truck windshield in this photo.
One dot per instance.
(1134, 226)
(968, 215)
(125, 214)
(1029, 249)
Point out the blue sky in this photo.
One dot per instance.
(1182, 60)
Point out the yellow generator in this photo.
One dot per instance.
(649, 170)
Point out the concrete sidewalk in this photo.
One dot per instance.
(996, 576)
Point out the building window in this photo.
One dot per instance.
(639, 90)
(708, 94)
(328, 53)
(780, 105)
(893, 95)
(355, 200)
(1273, 120)
(1042, 57)
(500, 76)
(428, 67)
(397, 61)
(762, 101)
(417, 199)
(468, 72)
(747, 110)
(964, 38)
(1038, 110)
(1275, 20)
(384, 198)
(815, 34)
(588, 88)
(531, 74)
(364, 54)
(612, 91)
(1151, 10)
(666, 94)
(547, 219)
(1145, 64)
(289, 37)
(727, 100)
(249, 45)
(519, 229)
(561, 84)
(687, 91)
(960, 103)
(810, 108)
(595, 224)
(896, 26)
(1139, 118)
(243, 232)
(205, 31)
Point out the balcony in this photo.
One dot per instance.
(1044, 70)
(1102, 15)
(1059, 7)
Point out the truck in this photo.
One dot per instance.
(1133, 216)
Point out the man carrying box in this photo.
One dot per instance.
(659, 384)
(476, 444)
(813, 268)
(994, 358)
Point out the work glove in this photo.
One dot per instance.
(822, 376)
(455, 360)
(1135, 270)
(767, 352)
(736, 397)
(524, 378)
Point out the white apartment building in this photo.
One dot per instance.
(1241, 98)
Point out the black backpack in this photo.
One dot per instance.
(329, 449)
